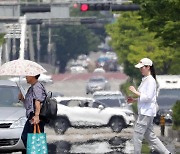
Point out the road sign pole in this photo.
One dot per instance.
(23, 36)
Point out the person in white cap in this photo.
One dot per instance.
(147, 108)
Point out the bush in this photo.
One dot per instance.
(176, 115)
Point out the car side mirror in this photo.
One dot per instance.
(101, 107)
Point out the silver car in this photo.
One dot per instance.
(97, 83)
(12, 118)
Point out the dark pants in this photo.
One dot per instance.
(29, 128)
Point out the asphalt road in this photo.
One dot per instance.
(76, 139)
(75, 84)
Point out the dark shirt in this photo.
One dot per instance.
(35, 92)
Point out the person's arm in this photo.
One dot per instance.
(148, 94)
(37, 112)
(133, 90)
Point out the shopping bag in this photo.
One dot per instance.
(36, 142)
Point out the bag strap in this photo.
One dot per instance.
(43, 88)
(46, 93)
(38, 129)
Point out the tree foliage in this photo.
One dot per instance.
(176, 115)
(70, 41)
(162, 17)
(132, 42)
(152, 32)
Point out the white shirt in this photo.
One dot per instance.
(147, 99)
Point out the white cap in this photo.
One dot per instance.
(144, 62)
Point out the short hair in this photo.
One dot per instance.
(37, 76)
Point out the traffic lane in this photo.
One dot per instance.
(69, 88)
(91, 140)
(73, 134)
(86, 76)
(101, 139)
(95, 138)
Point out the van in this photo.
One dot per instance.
(168, 93)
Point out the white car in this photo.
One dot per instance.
(12, 118)
(77, 69)
(78, 112)
(97, 83)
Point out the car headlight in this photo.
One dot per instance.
(19, 123)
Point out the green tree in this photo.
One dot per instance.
(71, 41)
(132, 42)
(176, 115)
(162, 17)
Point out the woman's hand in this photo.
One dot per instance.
(133, 89)
(20, 96)
(131, 100)
(35, 119)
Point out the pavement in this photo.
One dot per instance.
(172, 144)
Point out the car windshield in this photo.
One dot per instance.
(169, 92)
(97, 80)
(106, 96)
(112, 102)
(9, 96)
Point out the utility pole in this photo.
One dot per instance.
(38, 43)
(49, 44)
(14, 42)
(23, 36)
(31, 46)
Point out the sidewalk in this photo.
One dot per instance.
(169, 140)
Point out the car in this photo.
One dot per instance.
(86, 112)
(12, 117)
(99, 70)
(97, 83)
(77, 69)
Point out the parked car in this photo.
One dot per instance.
(86, 112)
(97, 83)
(12, 117)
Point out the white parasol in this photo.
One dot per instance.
(21, 67)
